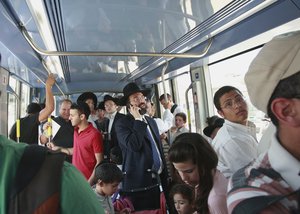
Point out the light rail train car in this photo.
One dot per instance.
(188, 48)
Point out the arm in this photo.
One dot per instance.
(49, 107)
(99, 158)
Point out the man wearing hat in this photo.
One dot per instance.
(143, 159)
(214, 124)
(91, 99)
(102, 120)
(270, 183)
(110, 136)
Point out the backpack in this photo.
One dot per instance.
(36, 186)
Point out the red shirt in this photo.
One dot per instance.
(86, 144)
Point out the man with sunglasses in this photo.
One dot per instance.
(235, 143)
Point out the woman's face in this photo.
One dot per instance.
(182, 205)
(188, 172)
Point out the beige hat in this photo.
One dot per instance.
(278, 59)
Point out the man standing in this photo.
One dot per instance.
(29, 125)
(88, 144)
(235, 143)
(64, 136)
(111, 141)
(91, 99)
(270, 184)
(143, 159)
(171, 109)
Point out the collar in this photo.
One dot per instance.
(249, 127)
(112, 116)
(284, 163)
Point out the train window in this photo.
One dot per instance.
(12, 103)
(25, 94)
(182, 83)
(232, 72)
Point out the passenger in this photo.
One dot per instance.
(214, 123)
(235, 142)
(102, 120)
(195, 162)
(29, 125)
(183, 197)
(270, 184)
(64, 136)
(110, 140)
(107, 178)
(143, 161)
(171, 109)
(162, 129)
(72, 187)
(91, 99)
(88, 143)
(179, 128)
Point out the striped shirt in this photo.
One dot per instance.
(274, 173)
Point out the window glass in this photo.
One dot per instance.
(12, 104)
(232, 72)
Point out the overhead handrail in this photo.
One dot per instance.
(105, 53)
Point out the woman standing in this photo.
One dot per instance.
(195, 162)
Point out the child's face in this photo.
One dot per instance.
(182, 205)
(109, 188)
(179, 122)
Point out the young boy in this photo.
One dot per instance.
(108, 176)
(179, 128)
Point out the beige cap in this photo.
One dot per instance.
(278, 59)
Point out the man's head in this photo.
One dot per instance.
(64, 109)
(89, 98)
(166, 103)
(101, 110)
(135, 96)
(273, 79)
(110, 104)
(79, 113)
(231, 105)
(33, 108)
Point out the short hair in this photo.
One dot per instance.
(33, 108)
(82, 108)
(220, 92)
(194, 147)
(65, 101)
(182, 115)
(108, 172)
(286, 88)
(183, 189)
(162, 97)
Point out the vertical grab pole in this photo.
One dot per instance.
(49, 129)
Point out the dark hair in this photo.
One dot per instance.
(33, 108)
(82, 108)
(162, 97)
(108, 172)
(223, 90)
(182, 115)
(286, 88)
(192, 146)
(183, 189)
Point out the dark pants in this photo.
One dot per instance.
(145, 200)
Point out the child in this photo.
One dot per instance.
(182, 196)
(180, 121)
(108, 176)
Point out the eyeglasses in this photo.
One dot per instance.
(230, 104)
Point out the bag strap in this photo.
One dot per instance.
(36, 186)
(173, 108)
(257, 204)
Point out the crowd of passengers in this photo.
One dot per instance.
(138, 163)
